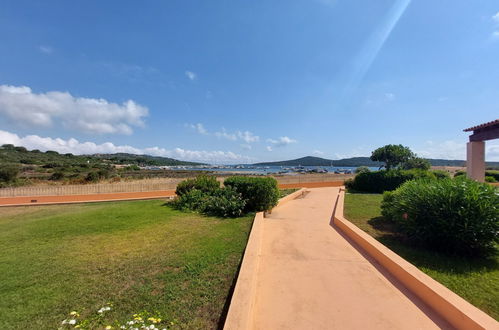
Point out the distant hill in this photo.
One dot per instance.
(304, 161)
(124, 158)
(357, 161)
(20, 155)
(318, 161)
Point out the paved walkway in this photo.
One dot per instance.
(311, 277)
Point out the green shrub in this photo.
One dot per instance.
(8, 173)
(92, 177)
(490, 179)
(202, 182)
(494, 174)
(380, 181)
(226, 203)
(459, 173)
(416, 162)
(459, 216)
(190, 200)
(362, 169)
(260, 194)
(56, 176)
(441, 174)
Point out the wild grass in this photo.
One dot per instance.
(474, 279)
(139, 255)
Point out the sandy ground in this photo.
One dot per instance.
(450, 169)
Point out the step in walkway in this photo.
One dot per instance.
(311, 277)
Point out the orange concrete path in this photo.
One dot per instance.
(310, 277)
(43, 200)
(106, 197)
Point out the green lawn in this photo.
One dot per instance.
(139, 255)
(285, 192)
(476, 280)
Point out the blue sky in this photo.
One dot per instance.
(240, 81)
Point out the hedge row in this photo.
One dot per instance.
(387, 180)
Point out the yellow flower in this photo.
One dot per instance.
(109, 327)
(74, 313)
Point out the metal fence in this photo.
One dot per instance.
(139, 186)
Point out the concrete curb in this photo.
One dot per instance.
(290, 197)
(242, 302)
(454, 309)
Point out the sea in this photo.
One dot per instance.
(263, 170)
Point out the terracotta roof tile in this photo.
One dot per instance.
(490, 123)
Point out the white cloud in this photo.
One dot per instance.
(246, 146)
(496, 17)
(456, 150)
(191, 75)
(46, 49)
(444, 150)
(282, 141)
(318, 152)
(224, 135)
(495, 35)
(248, 137)
(269, 148)
(75, 147)
(198, 128)
(88, 115)
(245, 136)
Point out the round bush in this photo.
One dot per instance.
(362, 169)
(260, 194)
(204, 183)
(459, 216)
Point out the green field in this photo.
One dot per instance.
(476, 280)
(139, 255)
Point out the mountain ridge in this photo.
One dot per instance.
(357, 161)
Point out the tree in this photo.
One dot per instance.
(392, 155)
(416, 162)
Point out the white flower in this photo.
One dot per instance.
(64, 322)
(73, 321)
